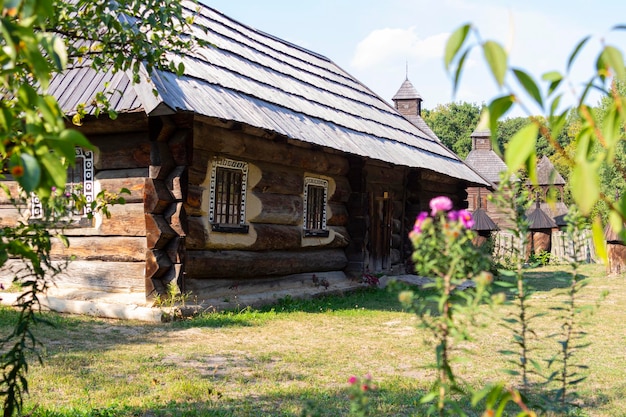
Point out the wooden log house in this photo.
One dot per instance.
(264, 162)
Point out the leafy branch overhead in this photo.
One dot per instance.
(598, 139)
(44, 37)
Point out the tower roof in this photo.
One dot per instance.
(407, 92)
(547, 173)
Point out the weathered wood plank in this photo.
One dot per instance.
(279, 209)
(248, 264)
(93, 275)
(122, 151)
(9, 216)
(338, 214)
(111, 248)
(125, 122)
(279, 180)
(14, 191)
(342, 190)
(193, 203)
(239, 144)
(114, 185)
(126, 220)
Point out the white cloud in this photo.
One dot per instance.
(387, 45)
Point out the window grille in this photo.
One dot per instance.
(315, 198)
(228, 196)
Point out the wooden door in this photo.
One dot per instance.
(380, 234)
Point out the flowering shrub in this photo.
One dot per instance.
(443, 251)
(442, 243)
(359, 401)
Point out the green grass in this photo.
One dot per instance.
(294, 358)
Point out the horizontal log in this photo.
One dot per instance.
(14, 190)
(279, 209)
(436, 177)
(443, 188)
(342, 190)
(111, 248)
(180, 146)
(239, 144)
(384, 174)
(260, 237)
(9, 216)
(193, 202)
(92, 275)
(278, 180)
(122, 151)
(197, 232)
(248, 264)
(135, 185)
(103, 125)
(337, 215)
(126, 220)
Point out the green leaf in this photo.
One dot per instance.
(577, 49)
(529, 85)
(521, 147)
(497, 59)
(459, 70)
(587, 189)
(32, 173)
(555, 78)
(611, 129)
(454, 44)
(598, 240)
(613, 58)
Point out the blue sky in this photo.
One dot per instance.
(374, 40)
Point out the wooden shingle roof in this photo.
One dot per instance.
(547, 173)
(482, 221)
(253, 78)
(539, 219)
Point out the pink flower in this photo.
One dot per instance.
(419, 221)
(353, 380)
(465, 217)
(441, 203)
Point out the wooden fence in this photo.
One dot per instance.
(563, 249)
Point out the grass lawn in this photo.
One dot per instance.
(297, 356)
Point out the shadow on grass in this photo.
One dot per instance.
(301, 403)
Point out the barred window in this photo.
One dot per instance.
(79, 181)
(315, 197)
(228, 196)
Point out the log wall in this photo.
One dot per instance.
(109, 253)
(274, 244)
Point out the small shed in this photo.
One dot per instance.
(541, 226)
(616, 251)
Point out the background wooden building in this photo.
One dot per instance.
(263, 163)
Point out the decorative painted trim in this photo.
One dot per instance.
(318, 182)
(229, 164)
(87, 158)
